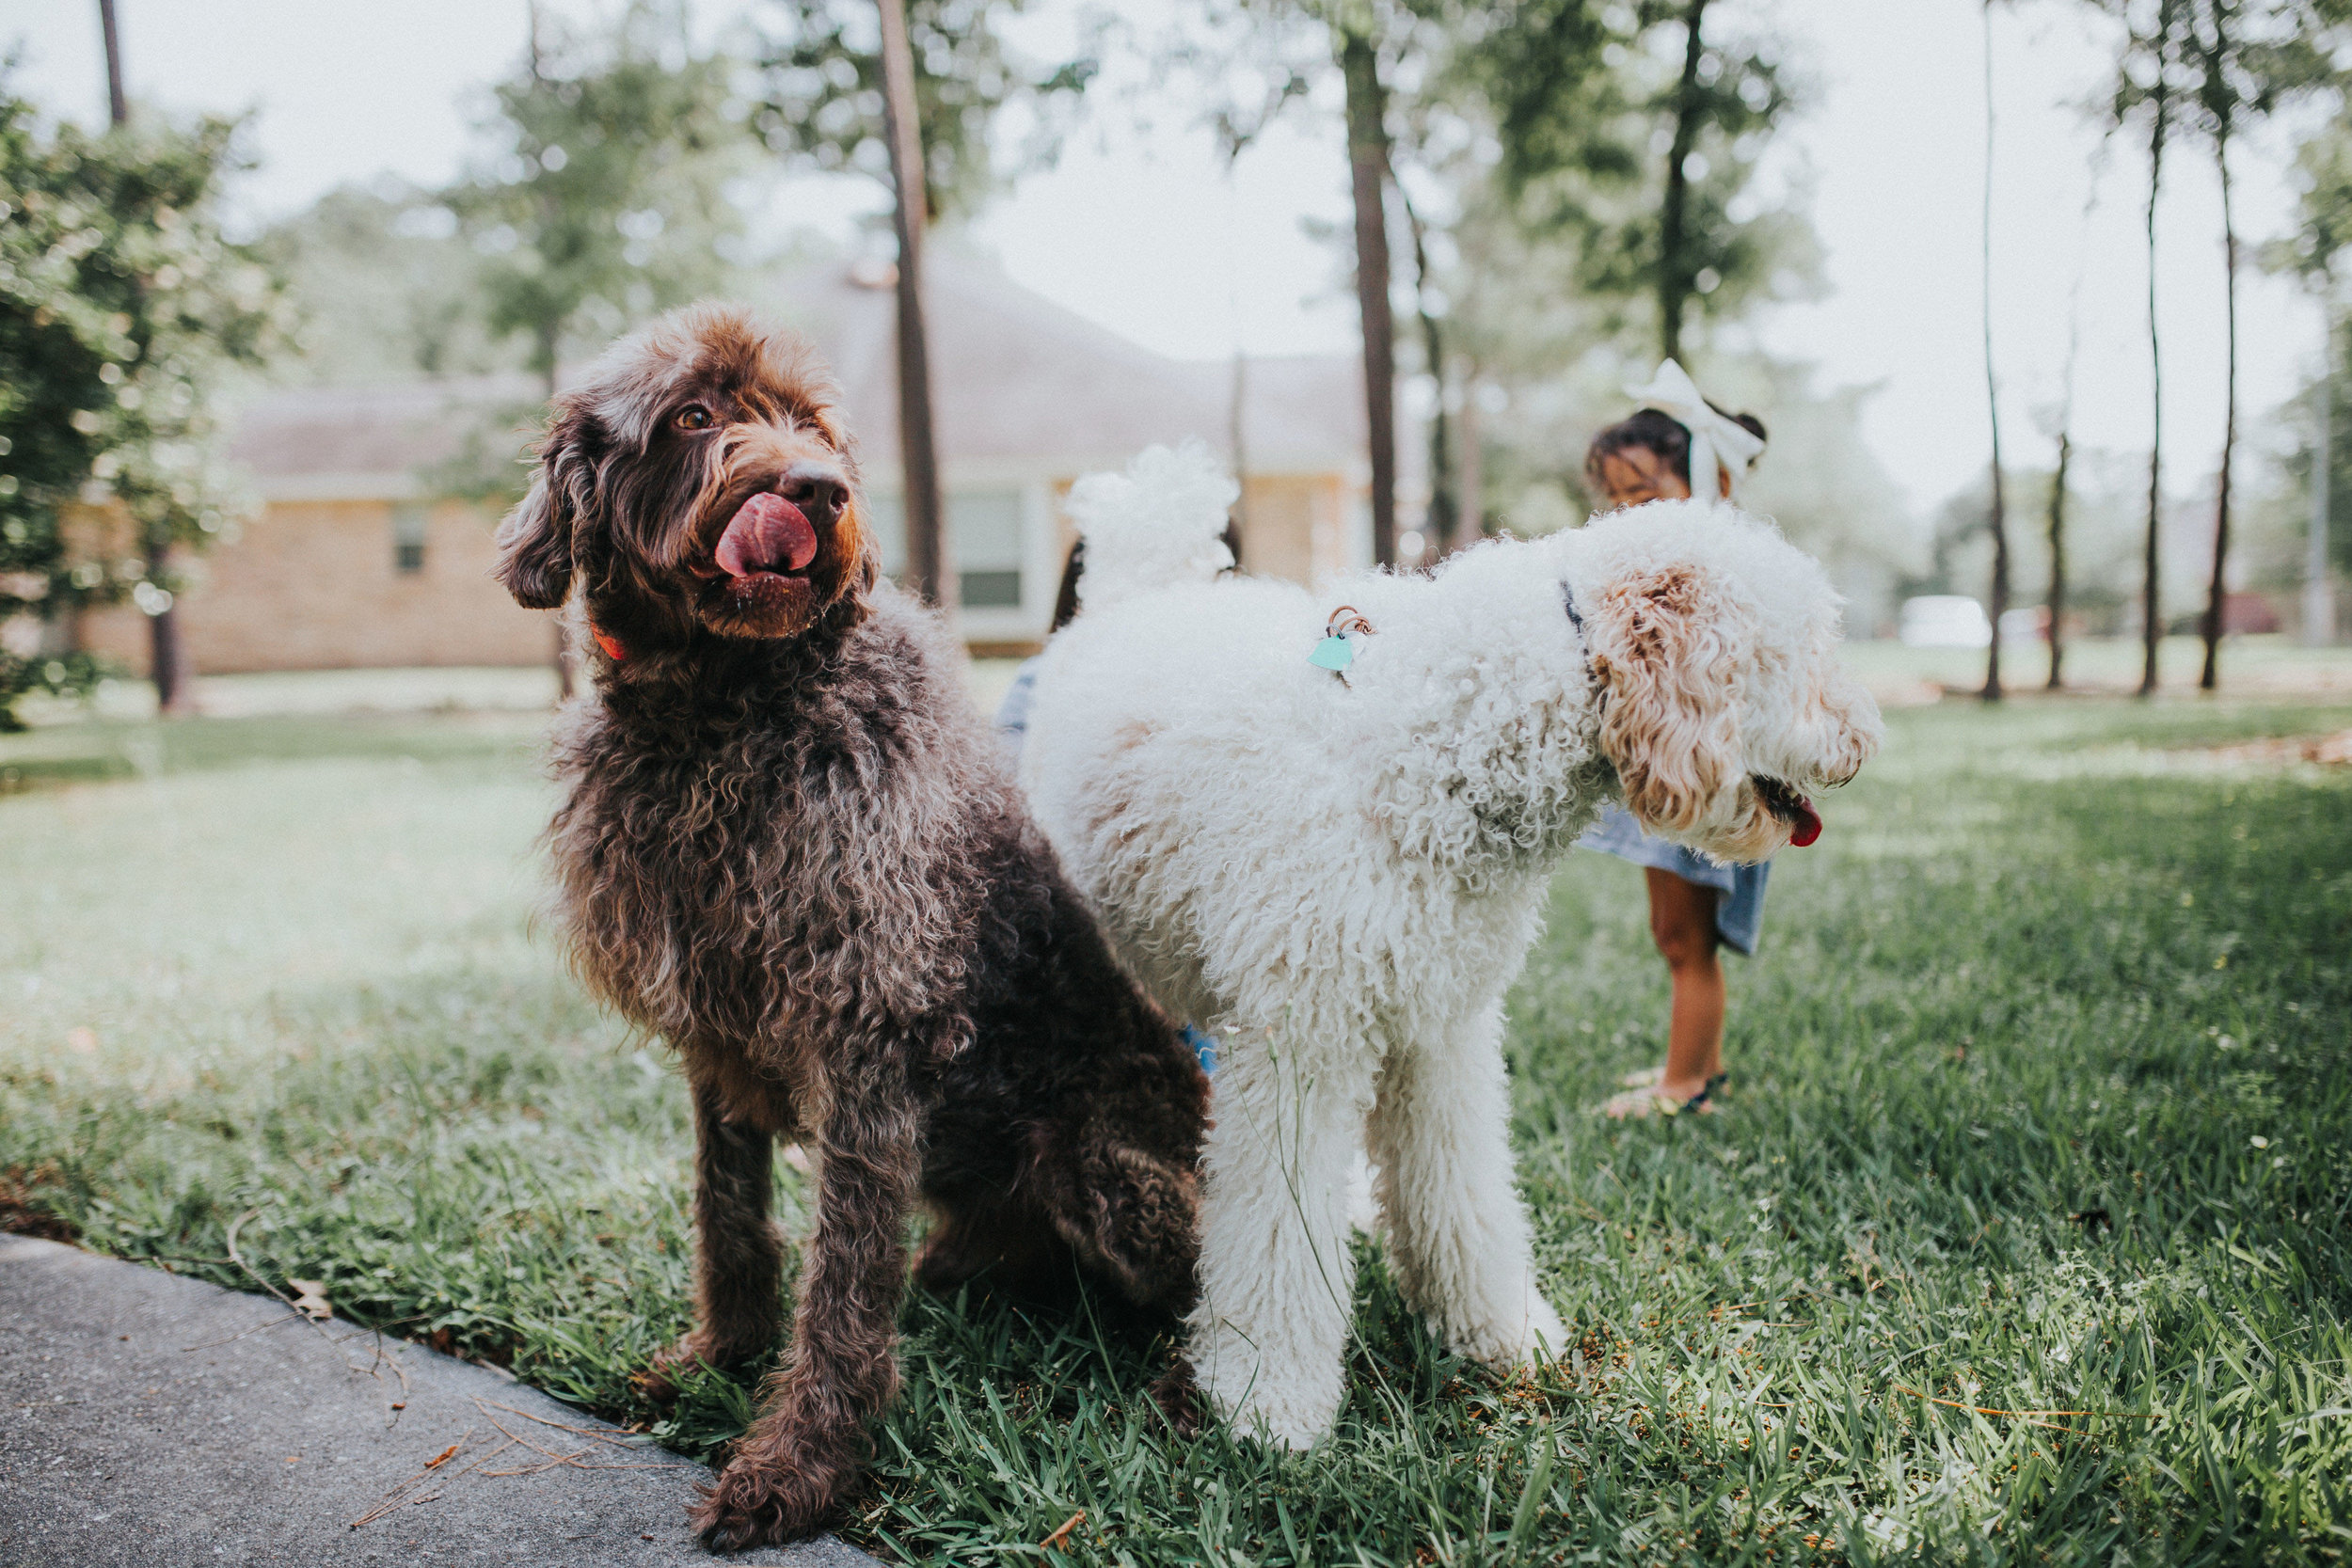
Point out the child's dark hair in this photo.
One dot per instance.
(1066, 597)
(1652, 430)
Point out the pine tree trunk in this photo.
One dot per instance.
(2151, 605)
(167, 653)
(1999, 517)
(1368, 161)
(1471, 525)
(2319, 589)
(918, 453)
(2216, 593)
(1674, 275)
(118, 102)
(566, 672)
(1440, 527)
(2057, 559)
(1237, 416)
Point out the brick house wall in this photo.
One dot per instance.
(349, 565)
(344, 584)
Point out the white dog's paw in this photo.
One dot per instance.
(1287, 1401)
(1533, 1335)
(1547, 1336)
(1280, 1427)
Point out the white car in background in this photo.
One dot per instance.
(1943, 621)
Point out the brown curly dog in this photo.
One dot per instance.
(789, 847)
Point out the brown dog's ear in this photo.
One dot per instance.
(534, 543)
(1662, 647)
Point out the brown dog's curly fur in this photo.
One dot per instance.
(789, 847)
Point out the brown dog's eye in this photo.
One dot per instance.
(694, 416)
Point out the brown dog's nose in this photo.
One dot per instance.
(818, 489)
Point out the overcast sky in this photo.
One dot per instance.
(1140, 232)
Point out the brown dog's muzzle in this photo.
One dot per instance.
(820, 490)
(779, 529)
(760, 578)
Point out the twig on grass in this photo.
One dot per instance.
(1058, 1536)
(398, 1371)
(602, 1434)
(257, 1328)
(2032, 1417)
(404, 1493)
(555, 1460)
(550, 1462)
(238, 1258)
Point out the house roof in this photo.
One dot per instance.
(1016, 377)
(367, 442)
(1016, 380)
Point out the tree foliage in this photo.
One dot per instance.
(123, 307)
(1598, 109)
(386, 288)
(607, 198)
(821, 92)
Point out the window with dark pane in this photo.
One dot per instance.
(984, 531)
(409, 539)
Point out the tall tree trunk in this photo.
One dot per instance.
(917, 449)
(2057, 599)
(2319, 589)
(2151, 593)
(166, 653)
(1674, 275)
(544, 350)
(1471, 525)
(2217, 592)
(2057, 633)
(1368, 162)
(1238, 413)
(118, 105)
(1440, 527)
(1999, 518)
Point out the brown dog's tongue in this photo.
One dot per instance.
(767, 533)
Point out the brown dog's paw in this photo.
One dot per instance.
(762, 1505)
(1180, 1400)
(658, 1379)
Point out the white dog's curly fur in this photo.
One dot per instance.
(1340, 878)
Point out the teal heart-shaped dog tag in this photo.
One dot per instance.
(1334, 654)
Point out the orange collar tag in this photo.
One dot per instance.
(609, 643)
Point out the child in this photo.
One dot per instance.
(1695, 904)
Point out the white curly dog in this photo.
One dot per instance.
(1339, 871)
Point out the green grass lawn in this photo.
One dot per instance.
(2042, 1103)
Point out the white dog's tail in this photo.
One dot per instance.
(1160, 523)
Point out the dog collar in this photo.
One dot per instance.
(1601, 688)
(1337, 650)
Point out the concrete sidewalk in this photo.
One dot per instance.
(155, 1421)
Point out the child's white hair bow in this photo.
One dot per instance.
(1718, 442)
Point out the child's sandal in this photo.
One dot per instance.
(1635, 1104)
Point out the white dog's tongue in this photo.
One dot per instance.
(1809, 826)
(767, 533)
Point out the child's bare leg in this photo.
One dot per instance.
(1682, 922)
